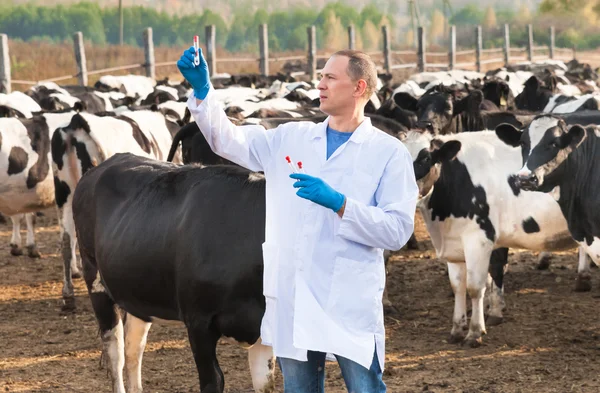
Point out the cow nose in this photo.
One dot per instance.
(527, 182)
(425, 125)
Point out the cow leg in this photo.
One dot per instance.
(136, 333)
(544, 260)
(477, 260)
(388, 306)
(457, 272)
(498, 262)
(262, 367)
(15, 240)
(412, 243)
(203, 340)
(111, 329)
(32, 250)
(70, 268)
(584, 274)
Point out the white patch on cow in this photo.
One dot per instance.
(537, 130)
(176, 106)
(411, 87)
(97, 286)
(375, 100)
(50, 86)
(254, 176)
(312, 94)
(133, 84)
(171, 90)
(113, 341)
(252, 120)
(262, 366)
(154, 127)
(593, 250)
(568, 89)
(15, 196)
(572, 106)
(136, 334)
(16, 239)
(107, 96)
(417, 141)
(21, 102)
(294, 115)
(65, 98)
(555, 193)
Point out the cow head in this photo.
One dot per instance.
(401, 108)
(534, 96)
(428, 155)
(545, 145)
(498, 91)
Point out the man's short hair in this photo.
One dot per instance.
(361, 66)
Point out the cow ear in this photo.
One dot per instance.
(573, 138)
(446, 152)
(509, 134)
(532, 82)
(405, 101)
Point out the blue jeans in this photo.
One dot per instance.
(309, 376)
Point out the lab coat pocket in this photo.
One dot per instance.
(271, 263)
(363, 186)
(355, 289)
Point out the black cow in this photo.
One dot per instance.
(534, 97)
(156, 240)
(497, 91)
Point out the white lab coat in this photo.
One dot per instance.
(323, 275)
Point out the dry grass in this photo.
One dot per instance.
(33, 61)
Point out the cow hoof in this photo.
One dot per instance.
(68, 305)
(412, 244)
(76, 275)
(583, 284)
(15, 250)
(494, 320)
(455, 338)
(473, 342)
(33, 252)
(544, 262)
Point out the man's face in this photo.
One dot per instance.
(336, 88)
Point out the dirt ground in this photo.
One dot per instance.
(549, 342)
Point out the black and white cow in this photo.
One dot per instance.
(26, 176)
(562, 161)
(84, 143)
(470, 210)
(163, 241)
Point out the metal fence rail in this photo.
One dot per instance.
(531, 52)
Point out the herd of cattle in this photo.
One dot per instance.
(483, 146)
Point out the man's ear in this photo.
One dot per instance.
(361, 87)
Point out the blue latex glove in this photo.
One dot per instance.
(197, 76)
(316, 190)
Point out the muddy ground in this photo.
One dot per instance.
(549, 342)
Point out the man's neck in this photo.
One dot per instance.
(346, 124)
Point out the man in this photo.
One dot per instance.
(325, 233)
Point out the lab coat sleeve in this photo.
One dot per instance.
(249, 146)
(390, 223)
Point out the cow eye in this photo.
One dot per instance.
(554, 144)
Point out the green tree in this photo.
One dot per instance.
(468, 15)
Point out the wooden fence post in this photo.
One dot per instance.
(149, 65)
(478, 47)
(529, 42)
(452, 48)
(551, 48)
(351, 37)
(421, 49)
(312, 52)
(4, 65)
(263, 43)
(506, 44)
(387, 54)
(211, 55)
(80, 59)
